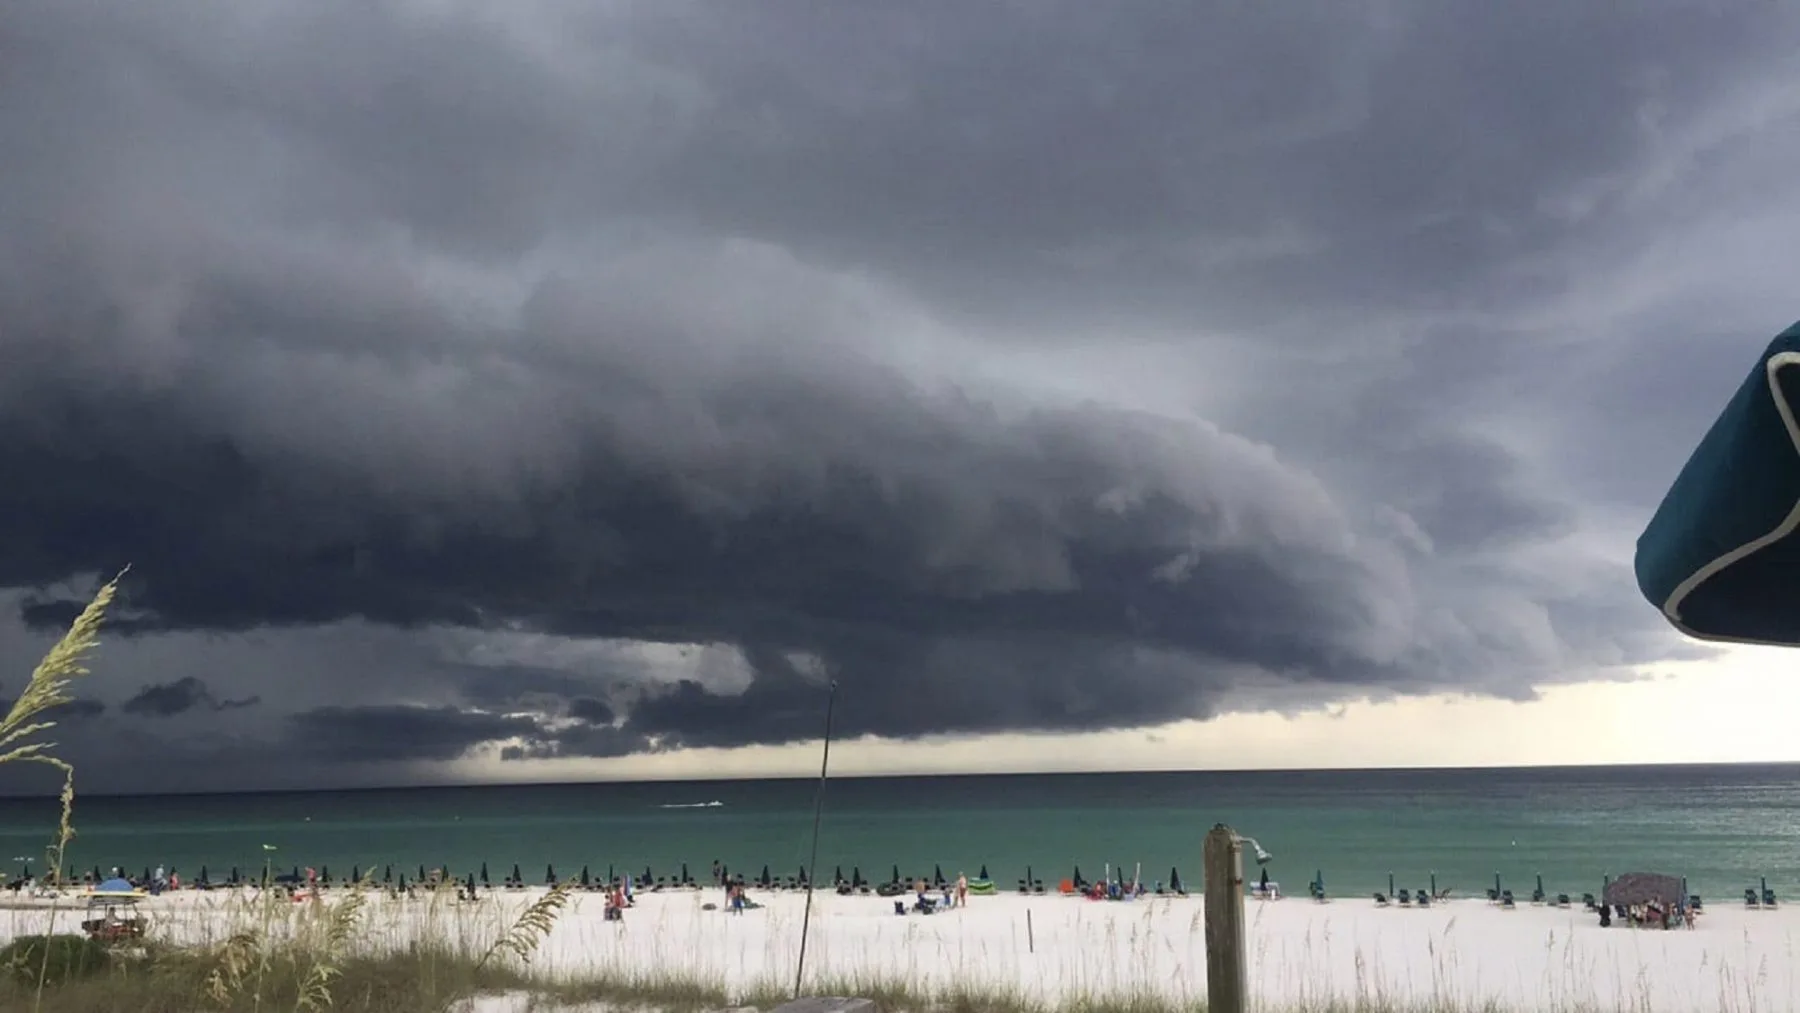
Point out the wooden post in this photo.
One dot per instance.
(1030, 936)
(1224, 882)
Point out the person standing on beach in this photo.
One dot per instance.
(962, 890)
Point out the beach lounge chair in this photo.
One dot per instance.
(1493, 896)
(1381, 899)
(1587, 901)
(900, 908)
(1506, 899)
(1537, 896)
(1749, 896)
(1768, 897)
(1424, 898)
(1562, 900)
(1694, 902)
(1405, 898)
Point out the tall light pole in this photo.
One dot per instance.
(812, 867)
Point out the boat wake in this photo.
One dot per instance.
(714, 804)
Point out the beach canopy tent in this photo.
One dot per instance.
(1636, 888)
(118, 886)
(1719, 556)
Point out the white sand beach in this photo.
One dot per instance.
(1462, 954)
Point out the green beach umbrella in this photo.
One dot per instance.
(515, 876)
(1434, 882)
(549, 875)
(484, 875)
(387, 874)
(1496, 884)
(896, 878)
(1540, 884)
(1718, 557)
(356, 874)
(1390, 883)
(585, 881)
(983, 873)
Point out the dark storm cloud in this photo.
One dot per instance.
(691, 324)
(166, 700)
(356, 734)
(80, 710)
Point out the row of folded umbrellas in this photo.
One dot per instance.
(766, 880)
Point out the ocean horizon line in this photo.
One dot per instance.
(1227, 773)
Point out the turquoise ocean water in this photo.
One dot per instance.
(1722, 827)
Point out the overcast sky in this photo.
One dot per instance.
(521, 391)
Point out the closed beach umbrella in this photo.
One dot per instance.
(549, 875)
(1390, 884)
(421, 878)
(402, 883)
(764, 881)
(896, 878)
(856, 876)
(356, 874)
(983, 873)
(937, 875)
(1718, 557)
(324, 873)
(610, 878)
(471, 884)
(1434, 883)
(516, 877)
(685, 878)
(1496, 884)
(803, 880)
(484, 875)
(647, 877)
(1078, 880)
(584, 877)
(387, 874)
(202, 873)
(837, 875)
(1540, 883)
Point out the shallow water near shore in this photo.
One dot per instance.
(1723, 827)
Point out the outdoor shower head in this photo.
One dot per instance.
(1262, 856)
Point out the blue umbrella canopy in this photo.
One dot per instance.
(1718, 556)
(115, 886)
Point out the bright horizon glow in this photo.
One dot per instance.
(1701, 712)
